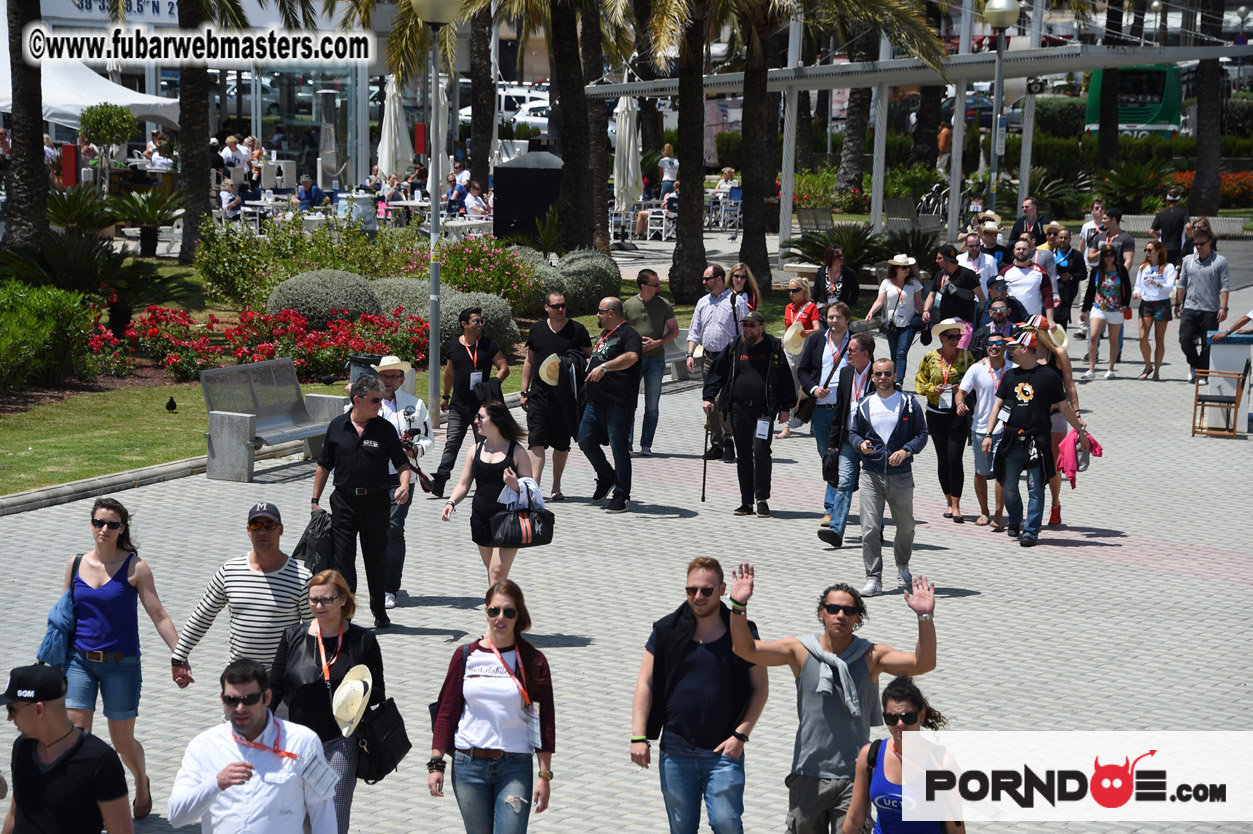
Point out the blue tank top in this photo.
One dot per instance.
(107, 618)
(886, 798)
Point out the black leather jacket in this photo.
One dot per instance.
(780, 386)
(296, 678)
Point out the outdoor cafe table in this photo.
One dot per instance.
(264, 205)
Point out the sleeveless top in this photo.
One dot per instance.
(828, 738)
(489, 480)
(107, 618)
(886, 798)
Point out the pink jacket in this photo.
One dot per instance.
(1068, 457)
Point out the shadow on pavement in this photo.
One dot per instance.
(454, 635)
(464, 603)
(286, 473)
(663, 510)
(559, 641)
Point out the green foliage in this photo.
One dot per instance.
(1239, 121)
(1129, 183)
(43, 334)
(1060, 192)
(486, 265)
(728, 147)
(107, 124)
(87, 265)
(1064, 118)
(79, 210)
(235, 268)
(324, 295)
(670, 137)
(523, 132)
(585, 277)
(862, 247)
(648, 166)
(147, 209)
(815, 189)
(413, 294)
(916, 243)
(910, 182)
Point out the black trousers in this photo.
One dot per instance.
(753, 468)
(460, 420)
(366, 516)
(1193, 325)
(949, 433)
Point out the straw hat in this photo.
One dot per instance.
(948, 324)
(550, 369)
(1060, 340)
(902, 260)
(991, 215)
(392, 363)
(794, 337)
(990, 226)
(351, 698)
(699, 352)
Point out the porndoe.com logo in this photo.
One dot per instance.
(1043, 776)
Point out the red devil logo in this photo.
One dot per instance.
(1111, 785)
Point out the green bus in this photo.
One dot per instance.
(1150, 101)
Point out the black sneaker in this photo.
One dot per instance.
(830, 537)
(763, 509)
(744, 509)
(714, 453)
(617, 504)
(382, 622)
(437, 487)
(728, 453)
(1027, 541)
(1014, 530)
(603, 488)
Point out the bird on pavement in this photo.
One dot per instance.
(171, 406)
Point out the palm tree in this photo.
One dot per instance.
(930, 98)
(1107, 138)
(597, 123)
(27, 208)
(861, 44)
(651, 135)
(1206, 194)
(482, 94)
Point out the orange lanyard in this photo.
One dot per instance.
(521, 684)
(326, 667)
(945, 368)
(996, 378)
(837, 356)
(278, 733)
(601, 341)
(474, 357)
(858, 388)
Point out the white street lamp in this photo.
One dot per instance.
(1000, 15)
(435, 13)
(1160, 11)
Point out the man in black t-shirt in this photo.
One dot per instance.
(546, 423)
(65, 780)
(469, 358)
(1112, 234)
(1024, 405)
(613, 387)
(957, 288)
(1168, 226)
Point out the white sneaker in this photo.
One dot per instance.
(1191, 375)
(907, 578)
(389, 600)
(1109, 374)
(1089, 375)
(1204, 382)
(872, 589)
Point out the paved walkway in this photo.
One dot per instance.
(1132, 616)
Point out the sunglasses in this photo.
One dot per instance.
(100, 523)
(738, 275)
(603, 312)
(833, 608)
(268, 524)
(952, 337)
(478, 418)
(495, 611)
(910, 718)
(692, 591)
(997, 345)
(324, 600)
(1052, 234)
(476, 321)
(881, 373)
(794, 289)
(708, 277)
(557, 306)
(247, 700)
(374, 400)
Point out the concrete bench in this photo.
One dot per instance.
(260, 404)
(676, 356)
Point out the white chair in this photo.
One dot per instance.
(237, 174)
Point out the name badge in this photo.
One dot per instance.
(763, 430)
(1004, 415)
(475, 378)
(319, 776)
(946, 400)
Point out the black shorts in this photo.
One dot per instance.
(546, 424)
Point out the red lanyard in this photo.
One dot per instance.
(859, 388)
(601, 341)
(996, 378)
(836, 357)
(945, 368)
(521, 684)
(474, 357)
(326, 667)
(278, 733)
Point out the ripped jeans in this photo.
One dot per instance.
(494, 795)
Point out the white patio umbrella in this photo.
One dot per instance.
(395, 145)
(439, 160)
(628, 181)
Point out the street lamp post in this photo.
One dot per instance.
(435, 13)
(1000, 15)
(1160, 11)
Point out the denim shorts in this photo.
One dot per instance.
(118, 681)
(983, 463)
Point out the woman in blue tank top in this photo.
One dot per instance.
(104, 651)
(879, 780)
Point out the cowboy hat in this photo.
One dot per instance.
(351, 698)
(948, 324)
(550, 369)
(392, 363)
(1059, 338)
(990, 215)
(902, 260)
(794, 337)
(990, 226)
(699, 352)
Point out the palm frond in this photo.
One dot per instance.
(296, 14)
(407, 44)
(666, 26)
(901, 21)
(227, 14)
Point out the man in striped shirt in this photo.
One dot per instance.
(265, 589)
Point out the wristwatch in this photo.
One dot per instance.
(546, 775)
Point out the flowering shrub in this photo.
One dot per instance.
(853, 201)
(109, 355)
(1237, 188)
(177, 341)
(484, 265)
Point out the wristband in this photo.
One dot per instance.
(316, 499)
(546, 775)
(925, 618)
(737, 734)
(638, 739)
(175, 662)
(524, 394)
(737, 604)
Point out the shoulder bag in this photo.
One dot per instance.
(383, 742)
(515, 527)
(806, 403)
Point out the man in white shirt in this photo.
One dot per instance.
(715, 324)
(1028, 282)
(234, 156)
(978, 261)
(255, 772)
(462, 174)
(1088, 234)
(230, 200)
(982, 380)
(475, 206)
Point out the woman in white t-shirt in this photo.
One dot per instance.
(669, 169)
(900, 299)
(1154, 283)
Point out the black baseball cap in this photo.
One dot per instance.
(753, 317)
(948, 252)
(264, 510)
(28, 684)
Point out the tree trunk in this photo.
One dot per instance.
(927, 127)
(688, 262)
(597, 124)
(1137, 21)
(482, 96)
(193, 119)
(1206, 195)
(1107, 139)
(759, 126)
(27, 207)
(804, 133)
(577, 210)
(651, 132)
(857, 117)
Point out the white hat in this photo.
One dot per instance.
(902, 260)
(550, 369)
(699, 352)
(990, 226)
(351, 698)
(794, 337)
(392, 363)
(948, 324)
(1059, 338)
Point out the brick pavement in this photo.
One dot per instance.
(1136, 603)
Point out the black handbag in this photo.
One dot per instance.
(383, 742)
(522, 528)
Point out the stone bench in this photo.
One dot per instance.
(676, 356)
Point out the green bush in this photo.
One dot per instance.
(1239, 124)
(485, 265)
(587, 276)
(1063, 118)
(43, 334)
(1130, 183)
(79, 210)
(910, 182)
(728, 148)
(414, 294)
(814, 189)
(320, 294)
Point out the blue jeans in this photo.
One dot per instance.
(898, 349)
(488, 792)
(719, 779)
(821, 424)
(1015, 462)
(396, 535)
(618, 420)
(654, 368)
(850, 469)
(117, 681)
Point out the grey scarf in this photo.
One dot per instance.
(830, 664)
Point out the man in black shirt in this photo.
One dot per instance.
(613, 385)
(1168, 226)
(546, 422)
(1111, 234)
(957, 288)
(1031, 222)
(359, 444)
(469, 357)
(65, 780)
(752, 381)
(1024, 405)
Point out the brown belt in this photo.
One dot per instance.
(481, 753)
(100, 657)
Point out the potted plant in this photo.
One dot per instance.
(149, 210)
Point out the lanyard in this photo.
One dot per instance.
(326, 667)
(474, 357)
(859, 387)
(836, 357)
(521, 684)
(278, 733)
(943, 367)
(601, 341)
(996, 378)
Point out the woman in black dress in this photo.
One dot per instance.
(497, 461)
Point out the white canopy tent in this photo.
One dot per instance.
(69, 87)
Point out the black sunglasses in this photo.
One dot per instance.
(692, 591)
(910, 718)
(246, 700)
(496, 610)
(952, 337)
(834, 608)
(882, 373)
(794, 289)
(98, 523)
(268, 524)
(561, 306)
